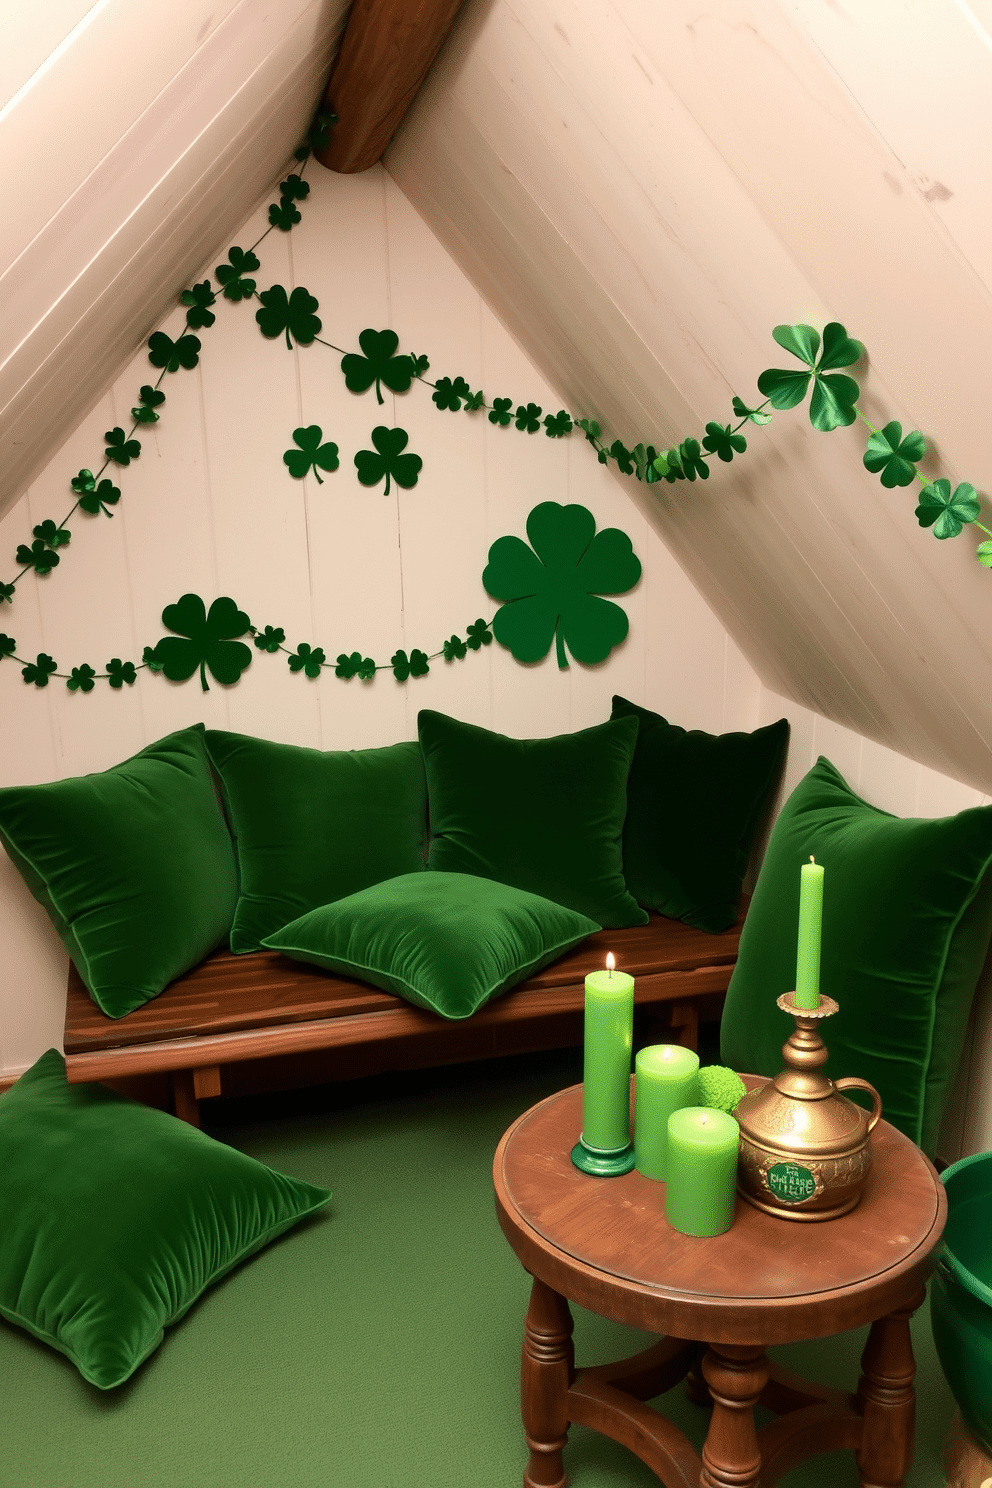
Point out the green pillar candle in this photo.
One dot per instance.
(609, 1039)
(666, 1078)
(810, 922)
(702, 1170)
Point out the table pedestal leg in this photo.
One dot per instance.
(887, 1399)
(736, 1375)
(546, 1371)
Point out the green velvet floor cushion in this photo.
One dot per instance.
(135, 867)
(694, 803)
(544, 815)
(445, 941)
(311, 826)
(114, 1218)
(907, 912)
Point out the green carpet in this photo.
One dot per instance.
(377, 1345)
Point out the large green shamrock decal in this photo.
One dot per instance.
(293, 314)
(39, 671)
(893, 456)
(311, 453)
(151, 398)
(209, 641)
(834, 396)
(379, 365)
(120, 449)
(945, 513)
(164, 352)
(199, 299)
(389, 461)
(38, 556)
(233, 275)
(551, 588)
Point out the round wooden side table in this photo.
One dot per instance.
(717, 1304)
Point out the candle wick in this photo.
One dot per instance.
(811, 858)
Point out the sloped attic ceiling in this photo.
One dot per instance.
(643, 191)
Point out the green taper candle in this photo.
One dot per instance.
(810, 924)
(702, 1170)
(609, 1040)
(666, 1078)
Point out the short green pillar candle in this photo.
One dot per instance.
(702, 1170)
(604, 1145)
(666, 1078)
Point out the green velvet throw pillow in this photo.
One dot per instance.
(311, 826)
(445, 941)
(114, 1218)
(544, 815)
(907, 913)
(694, 804)
(134, 866)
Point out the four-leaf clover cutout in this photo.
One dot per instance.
(208, 641)
(834, 396)
(292, 314)
(388, 460)
(448, 394)
(551, 589)
(311, 453)
(379, 364)
(355, 665)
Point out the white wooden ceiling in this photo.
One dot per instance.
(643, 191)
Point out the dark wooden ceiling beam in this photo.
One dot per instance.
(386, 52)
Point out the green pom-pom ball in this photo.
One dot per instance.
(720, 1087)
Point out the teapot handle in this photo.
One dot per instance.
(853, 1083)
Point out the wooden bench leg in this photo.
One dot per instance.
(189, 1087)
(685, 1024)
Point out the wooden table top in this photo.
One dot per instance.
(605, 1242)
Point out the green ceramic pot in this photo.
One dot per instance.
(961, 1293)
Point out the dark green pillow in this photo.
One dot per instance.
(311, 826)
(114, 1218)
(135, 867)
(544, 815)
(694, 804)
(907, 913)
(445, 941)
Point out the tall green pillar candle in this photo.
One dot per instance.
(609, 1040)
(810, 924)
(702, 1170)
(666, 1078)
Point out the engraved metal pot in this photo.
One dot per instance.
(805, 1149)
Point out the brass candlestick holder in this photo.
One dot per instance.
(805, 1149)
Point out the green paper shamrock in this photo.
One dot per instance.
(6, 593)
(693, 463)
(311, 453)
(945, 513)
(81, 679)
(120, 449)
(478, 635)
(7, 646)
(271, 639)
(419, 365)
(38, 556)
(379, 365)
(448, 394)
(209, 641)
(120, 672)
(983, 553)
(104, 496)
(318, 134)
(355, 665)
(455, 649)
(475, 401)
(618, 451)
(232, 275)
(39, 671)
(294, 188)
(557, 425)
(389, 461)
(721, 441)
(528, 419)
(164, 352)
(52, 536)
(199, 299)
(284, 216)
(590, 429)
(893, 456)
(644, 458)
(293, 314)
(501, 412)
(84, 481)
(834, 396)
(668, 466)
(551, 587)
(151, 398)
(308, 660)
(150, 658)
(417, 665)
(754, 415)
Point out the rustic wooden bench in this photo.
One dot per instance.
(232, 1010)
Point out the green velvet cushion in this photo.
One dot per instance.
(907, 912)
(544, 815)
(114, 1218)
(445, 941)
(311, 826)
(694, 804)
(135, 867)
